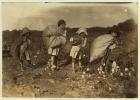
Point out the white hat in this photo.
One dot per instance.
(84, 30)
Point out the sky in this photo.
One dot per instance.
(37, 16)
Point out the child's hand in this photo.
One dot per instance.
(71, 39)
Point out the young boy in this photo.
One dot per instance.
(78, 46)
(23, 48)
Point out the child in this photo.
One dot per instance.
(78, 46)
(23, 48)
(108, 51)
(53, 52)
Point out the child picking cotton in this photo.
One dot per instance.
(22, 49)
(79, 42)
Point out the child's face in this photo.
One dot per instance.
(28, 34)
(114, 34)
(24, 38)
(63, 26)
(82, 35)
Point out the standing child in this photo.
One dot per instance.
(23, 48)
(78, 45)
(53, 52)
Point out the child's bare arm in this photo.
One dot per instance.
(85, 42)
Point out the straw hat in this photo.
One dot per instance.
(25, 31)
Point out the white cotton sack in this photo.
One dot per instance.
(51, 37)
(99, 46)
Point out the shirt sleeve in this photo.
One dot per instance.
(29, 41)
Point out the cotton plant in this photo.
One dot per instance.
(86, 74)
(35, 59)
(126, 71)
(36, 56)
(115, 68)
(100, 70)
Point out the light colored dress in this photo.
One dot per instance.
(53, 52)
(76, 48)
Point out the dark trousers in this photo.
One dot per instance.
(105, 59)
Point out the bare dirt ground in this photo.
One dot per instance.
(37, 81)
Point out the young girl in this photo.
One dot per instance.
(78, 45)
(53, 52)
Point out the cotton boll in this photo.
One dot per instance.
(84, 55)
(103, 64)
(84, 73)
(83, 76)
(113, 70)
(104, 75)
(89, 76)
(88, 69)
(114, 64)
(98, 69)
(100, 72)
(126, 69)
(118, 67)
(121, 74)
(110, 89)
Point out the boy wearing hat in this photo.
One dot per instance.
(23, 47)
(78, 45)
